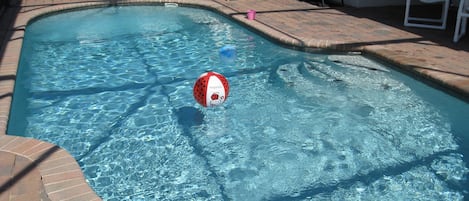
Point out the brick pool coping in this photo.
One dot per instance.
(36, 170)
(59, 174)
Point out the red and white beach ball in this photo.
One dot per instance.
(211, 89)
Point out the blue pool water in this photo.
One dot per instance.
(113, 86)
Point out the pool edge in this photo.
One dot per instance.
(48, 172)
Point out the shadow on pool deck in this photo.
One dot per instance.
(429, 54)
(393, 16)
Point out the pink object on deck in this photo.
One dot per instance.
(251, 14)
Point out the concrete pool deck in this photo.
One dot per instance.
(35, 170)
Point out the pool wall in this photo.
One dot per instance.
(60, 174)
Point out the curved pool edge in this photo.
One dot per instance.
(47, 171)
(60, 174)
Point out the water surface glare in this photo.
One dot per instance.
(113, 86)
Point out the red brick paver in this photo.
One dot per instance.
(50, 173)
(32, 170)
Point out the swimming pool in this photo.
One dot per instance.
(297, 126)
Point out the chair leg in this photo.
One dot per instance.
(441, 21)
(444, 14)
(407, 9)
(456, 30)
(462, 32)
(461, 23)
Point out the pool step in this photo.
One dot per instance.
(357, 61)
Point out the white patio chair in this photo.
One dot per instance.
(427, 22)
(461, 22)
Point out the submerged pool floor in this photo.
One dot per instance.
(296, 126)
